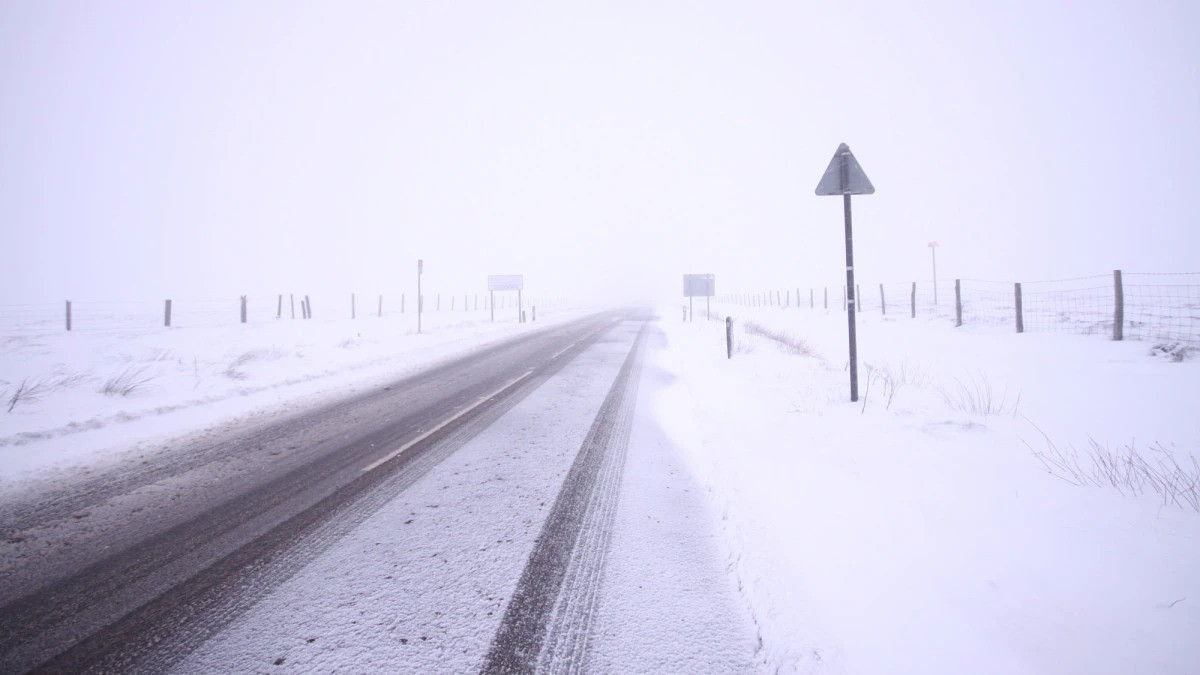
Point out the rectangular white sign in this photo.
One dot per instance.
(699, 285)
(506, 282)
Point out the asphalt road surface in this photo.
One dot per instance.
(173, 560)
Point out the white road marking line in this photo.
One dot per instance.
(393, 454)
(587, 337)
(564, 350)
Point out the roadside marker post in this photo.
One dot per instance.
(728, 337)
(845, 177)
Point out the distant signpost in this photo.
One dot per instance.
(845, 177)
(699, 286)
(506, 282)
(933, 252)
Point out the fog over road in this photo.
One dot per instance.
(513, 510)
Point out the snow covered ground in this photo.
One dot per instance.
(919, 530)
(119, 387)
(954, 520)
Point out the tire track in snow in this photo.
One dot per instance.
(547, 621)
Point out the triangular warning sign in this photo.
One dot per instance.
(844, 176)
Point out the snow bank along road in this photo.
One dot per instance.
(461, 519)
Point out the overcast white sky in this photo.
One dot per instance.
(207, 149)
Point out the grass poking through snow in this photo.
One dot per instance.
(791, 345)
(978, 397)
(32, 390)
(126, 382)
(1126, 468)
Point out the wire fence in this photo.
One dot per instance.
(133, 317)
(1163, 307)
(1085, 306)
(1160, 307)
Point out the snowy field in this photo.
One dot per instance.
(993, 503)
(118, 387)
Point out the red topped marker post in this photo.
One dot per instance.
(845, 177)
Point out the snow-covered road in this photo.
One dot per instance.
(499, 522)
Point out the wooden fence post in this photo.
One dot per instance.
(279, 309)
(957, 302)
(452, 303)
(1118, 306)
(913, 300)
(401, 303)
(68, 315)
(308, 306)
(826, 297)
(243, 309)
(167, 314)
(882, 301)
(353, 309)
(1020, 311)
(292, 300)
(812, 304)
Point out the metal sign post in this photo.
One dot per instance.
(933, 252)
(699, 285)
(420, 298)
(845, 177)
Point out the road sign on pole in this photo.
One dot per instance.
(508, 282)
(845, 177)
